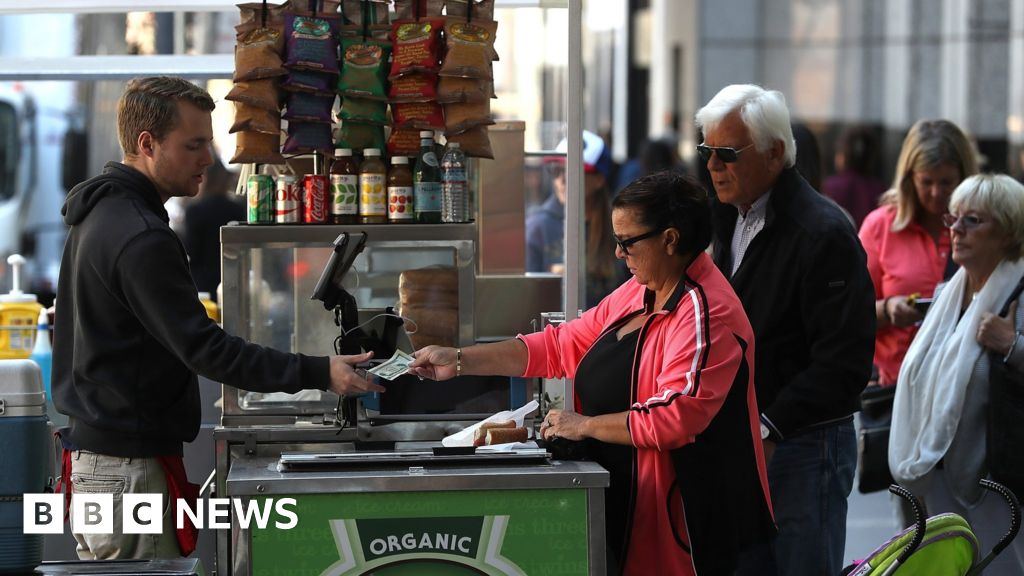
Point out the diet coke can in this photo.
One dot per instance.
(314, 200)
(287, 201)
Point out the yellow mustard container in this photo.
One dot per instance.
(19, 313)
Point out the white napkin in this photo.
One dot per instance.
(465, 436)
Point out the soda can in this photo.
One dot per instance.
(259, 193)
(314, 201)
(287, 201)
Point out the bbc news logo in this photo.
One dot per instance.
(143, 513)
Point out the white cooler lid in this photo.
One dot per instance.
(21, 388)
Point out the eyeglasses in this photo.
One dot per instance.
(626, 243)
(725, 154)
(967, 221)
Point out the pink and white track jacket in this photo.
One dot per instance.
(700, 491)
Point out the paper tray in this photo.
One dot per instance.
(300, 461)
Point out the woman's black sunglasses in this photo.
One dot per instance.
(725, 154)
(626, 243)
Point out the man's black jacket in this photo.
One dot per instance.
(805, 286)
(130, 333)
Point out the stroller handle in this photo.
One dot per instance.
(1011, 500)
(919, 522)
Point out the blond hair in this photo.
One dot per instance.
(930, 143)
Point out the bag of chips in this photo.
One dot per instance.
(419, 115)
(364, 68)
(470, 48)
(479, 10)
(256, 93)
(413, 88)
(306, 137)
(309, 81)
(258, 55)
(306, 107)
(314, 7)
(364, 110)
(252, 119)
(252, 17)
(416, 46)
(465, 115)
(352, 12)
(358, 136)
(457, 89)
(312, 43)
(416, 9)
(474, 142)
(404, 142)
(257, 148)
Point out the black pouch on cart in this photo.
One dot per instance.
(1005, 413)
(873, 442)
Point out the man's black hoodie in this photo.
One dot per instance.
(130, 333)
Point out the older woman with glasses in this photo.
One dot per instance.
(938, 441)
(662, 371)
(908, 250)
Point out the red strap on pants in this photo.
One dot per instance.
(64, 480)
(178, 486)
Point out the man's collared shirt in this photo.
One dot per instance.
(747, 226)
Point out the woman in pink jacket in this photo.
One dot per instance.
(664, 390)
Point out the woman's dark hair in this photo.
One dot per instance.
(670, 199)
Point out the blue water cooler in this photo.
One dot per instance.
(25, 460)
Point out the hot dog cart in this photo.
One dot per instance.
(370, 495)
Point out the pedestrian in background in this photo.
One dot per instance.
(796, 264)
(853, 186)
(907, 246)
(215, 206)
(545, 224)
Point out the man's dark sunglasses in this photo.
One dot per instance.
(626, 243)
(725, 154)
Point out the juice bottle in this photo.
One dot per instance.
(344, 187)
(373, 197)
(400, 192)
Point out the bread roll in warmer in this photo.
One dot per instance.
(480, 435)
(436, 278)
(438, 326)
(505, 435)
(428, 297)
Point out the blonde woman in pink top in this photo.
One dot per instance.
(905, 241)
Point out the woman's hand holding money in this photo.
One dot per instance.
(344, 378)
(435, 363)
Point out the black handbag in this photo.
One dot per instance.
(873, 442)
(1005, 441)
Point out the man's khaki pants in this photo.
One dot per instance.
(99, 474)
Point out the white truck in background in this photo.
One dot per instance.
(35, 117)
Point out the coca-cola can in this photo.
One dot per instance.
(287, 201)
(314, 200)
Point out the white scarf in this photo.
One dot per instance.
(933, 379)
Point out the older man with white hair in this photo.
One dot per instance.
(796, 263)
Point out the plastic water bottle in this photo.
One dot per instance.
(454, 187)
(42, 354)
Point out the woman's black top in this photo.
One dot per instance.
(602, 385)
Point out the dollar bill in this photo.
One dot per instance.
(394, 367)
